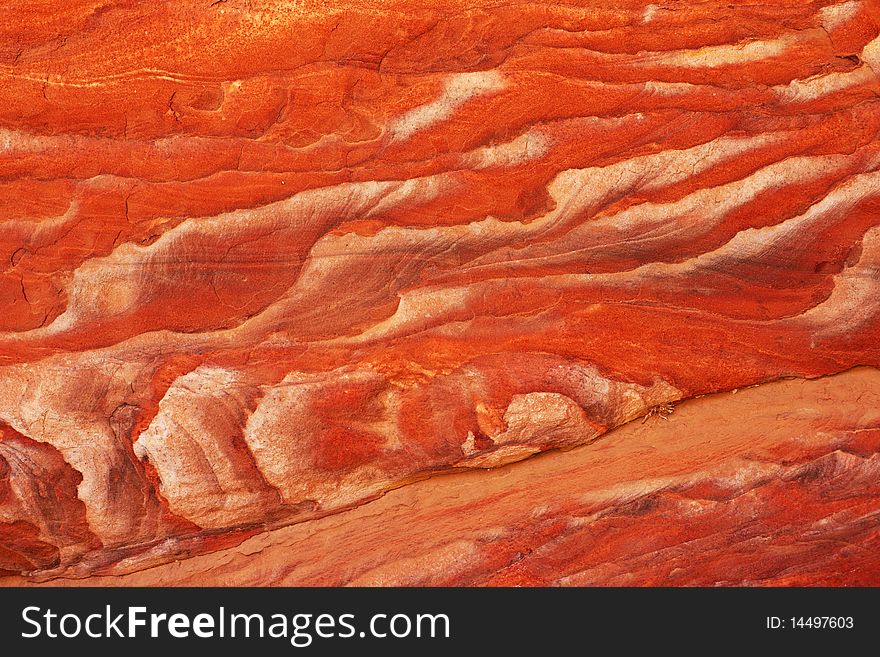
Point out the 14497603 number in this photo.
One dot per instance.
(810, 622)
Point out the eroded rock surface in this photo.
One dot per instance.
(264, 261)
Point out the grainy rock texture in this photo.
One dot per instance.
(262, 262)
(772, 485)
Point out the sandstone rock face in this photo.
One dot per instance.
(772, 485)
(265, 261)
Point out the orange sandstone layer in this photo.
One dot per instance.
(776, 484)
(261, 262)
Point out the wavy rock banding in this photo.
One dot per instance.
(265, 261)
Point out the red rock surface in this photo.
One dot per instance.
(265, 261)
(789, 497)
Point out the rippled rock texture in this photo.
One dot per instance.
(263, 262)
